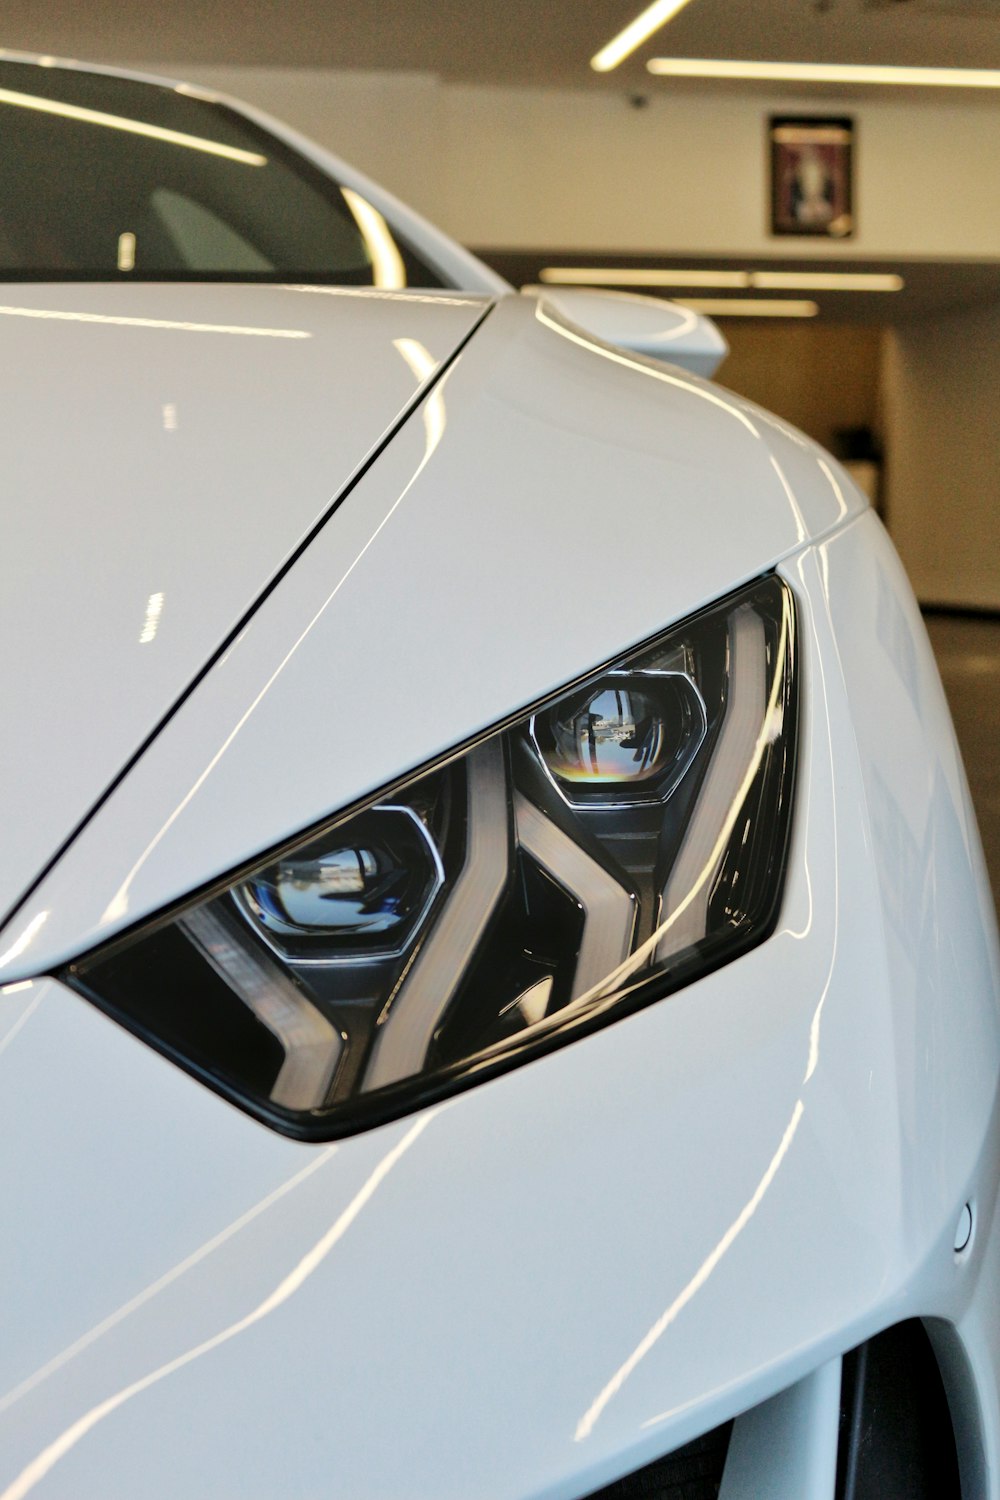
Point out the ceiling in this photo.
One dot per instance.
(513, 42)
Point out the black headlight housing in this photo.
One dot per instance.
(601, 850)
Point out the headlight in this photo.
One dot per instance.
(612, 844)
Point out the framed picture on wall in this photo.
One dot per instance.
(812, 189)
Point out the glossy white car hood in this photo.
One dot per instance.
(552, 502)
(567, 1271)
(164, 450)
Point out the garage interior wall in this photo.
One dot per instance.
(943, 440)
(530, 167)
(822, 377)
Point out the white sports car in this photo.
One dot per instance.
(499, 989)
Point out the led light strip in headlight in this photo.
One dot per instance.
(610, 845)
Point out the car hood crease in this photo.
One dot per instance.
(164, 451)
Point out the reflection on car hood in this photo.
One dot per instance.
(164, 450)
(552, 502)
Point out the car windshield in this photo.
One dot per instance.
(112, 178)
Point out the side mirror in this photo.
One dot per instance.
(644, 325)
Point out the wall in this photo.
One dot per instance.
(529, 168)
(943, 441)
(819, 376)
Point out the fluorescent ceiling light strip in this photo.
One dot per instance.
(635, 33)
(133, 127)
(747, 307)
(638, 276)
(829, 281)
(798, 72)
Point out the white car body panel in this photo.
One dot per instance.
(521, 477)
(165, 450)
(564, 1273)
(542, 1281)
(660, 330)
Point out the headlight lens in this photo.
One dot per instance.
(611, 845)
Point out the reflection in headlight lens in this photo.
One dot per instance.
(633, 735)
(371, 887)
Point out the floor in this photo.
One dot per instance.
(968, 657)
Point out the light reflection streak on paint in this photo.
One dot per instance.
(388, 270)
(644, 369)
(800, 524)
(39, 1467)
(371, 294)
(22, 1019)
(21, 944)
(151, 624)
(834, 486)
(57, 315)
(121, 1313)
(787, 431)
(823, 697)
(117, 908)
(687, 323)
(711, 1261)
(587, 1422)
(800, 934)
(132, 127)
(423, 364)
(419, 358)
(805, 795)
(686, 326)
